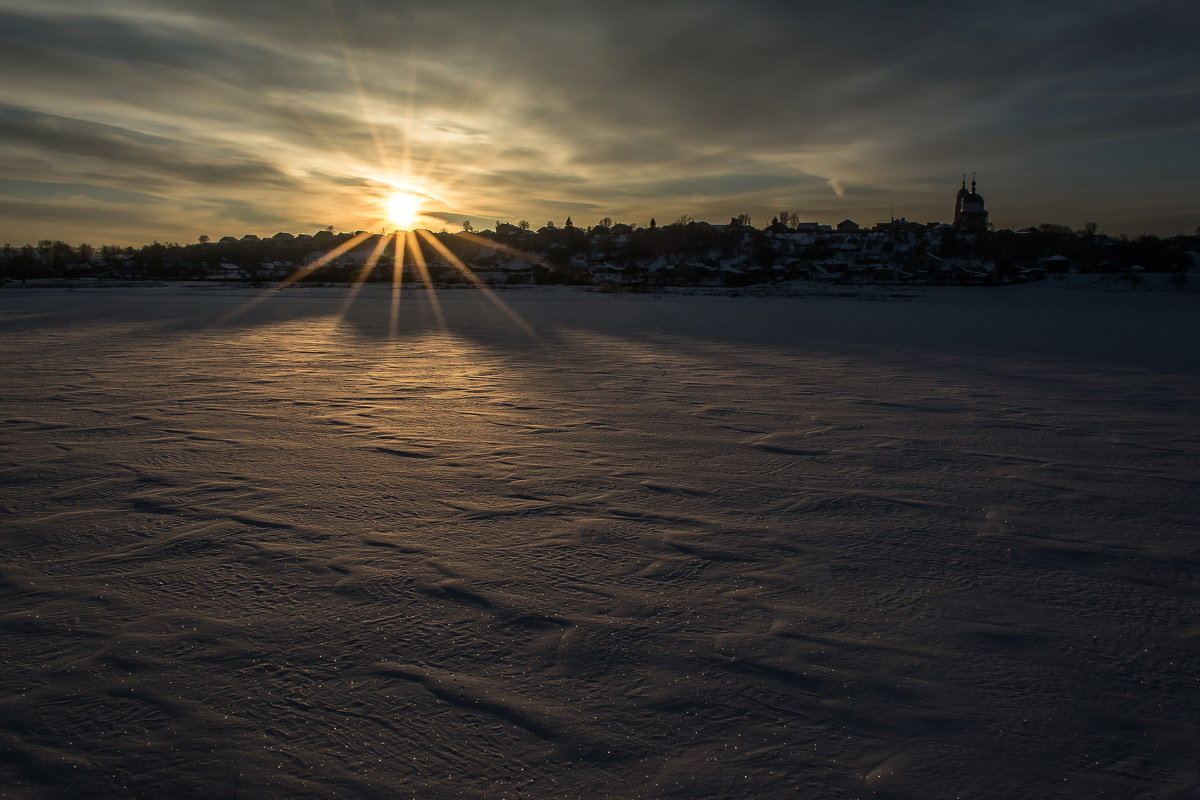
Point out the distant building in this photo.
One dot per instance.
(969, 213)
(848, 226)
(901, 225)
(1058, 264)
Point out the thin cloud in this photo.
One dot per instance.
(291, 111)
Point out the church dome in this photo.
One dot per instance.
(970, 213)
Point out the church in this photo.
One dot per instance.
(969, 213)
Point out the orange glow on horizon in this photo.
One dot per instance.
(401, 198)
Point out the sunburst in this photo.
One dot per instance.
(402, 210)
(406, 202)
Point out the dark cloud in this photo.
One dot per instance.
(42, 190)
(156, 160)
(297, 110)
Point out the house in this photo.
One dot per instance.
(225, 271)
(926, 264)
(828, 270)
(1056, 265)
(967, 274)
(901, 225)
(848, 226)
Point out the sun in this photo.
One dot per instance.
(402, 209)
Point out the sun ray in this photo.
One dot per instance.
(397, 285)
(336, 252)
(472, 97)
(299, 274)
(457, 263)
(356, 80)
(402, 194)
(331, 145)
(410, 107)
(462, 171)
(414, 246)
(364, 273)
(503, 248)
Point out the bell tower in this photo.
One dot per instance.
(970, 215)
(958, 199)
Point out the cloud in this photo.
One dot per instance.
(291, 111)
(155, 159)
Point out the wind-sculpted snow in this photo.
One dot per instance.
(668, 548)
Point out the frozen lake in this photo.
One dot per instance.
(652, 547)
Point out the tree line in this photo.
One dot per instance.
(557, 251)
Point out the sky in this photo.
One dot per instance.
(130, 121)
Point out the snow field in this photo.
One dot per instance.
(668, 547)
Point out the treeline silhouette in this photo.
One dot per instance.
(685, 252)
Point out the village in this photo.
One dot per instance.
(618, 256)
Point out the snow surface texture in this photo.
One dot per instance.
(682, 547)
